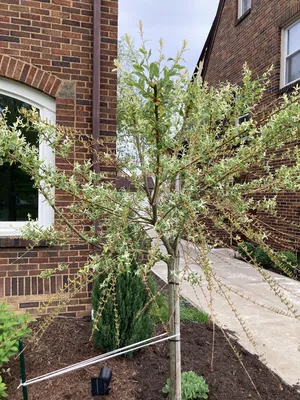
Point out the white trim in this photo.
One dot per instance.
(284, 55)
(27, 94)
(47, 109)
(283, 51)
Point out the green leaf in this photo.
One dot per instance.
(138, 67)
(154, 70)
(179, 67)
(143, 51)
(166, 73)
(139, 74)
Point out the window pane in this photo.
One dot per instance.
(243, 118)
(17, 196)
(246, 4)
(293, 67)
(294, 38)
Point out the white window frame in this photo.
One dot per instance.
(284, 55)
(241, 12)
(47, 109)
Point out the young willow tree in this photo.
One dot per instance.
(181, 135)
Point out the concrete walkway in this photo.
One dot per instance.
(277, 337)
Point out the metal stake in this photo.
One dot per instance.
(22, 370)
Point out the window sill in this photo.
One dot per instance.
(242, 17)
(288, 88)
(16, 242)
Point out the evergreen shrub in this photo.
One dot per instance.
(262, 258)
(133, 322)
(287, 262)
(246, 250)
(123, 318)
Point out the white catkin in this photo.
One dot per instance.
(94, 360)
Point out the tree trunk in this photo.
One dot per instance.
(174, 318)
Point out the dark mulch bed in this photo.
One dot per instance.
(67, 341)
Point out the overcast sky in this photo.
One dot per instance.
(173, 20)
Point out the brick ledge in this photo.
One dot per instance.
(15, 242)
(288, 88)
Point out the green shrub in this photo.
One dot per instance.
(262, 258)
(287, 262)
(122, 311)
(133, 322)
(192, 386)
(12, 328)
(246, 250)
(2, 389)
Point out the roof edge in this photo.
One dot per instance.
(206, 51)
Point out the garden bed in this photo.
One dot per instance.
(67, 341)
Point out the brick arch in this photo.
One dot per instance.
(30, 75)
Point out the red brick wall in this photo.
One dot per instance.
(256, 39)
(48, 45)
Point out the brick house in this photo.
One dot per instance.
(261, 33)
(56, 55)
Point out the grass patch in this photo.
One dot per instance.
(187, 311)
(190, 313)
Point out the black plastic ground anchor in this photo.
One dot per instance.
(101, 385)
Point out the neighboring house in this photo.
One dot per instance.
(55, 55)
(261, 33)
(124, 183)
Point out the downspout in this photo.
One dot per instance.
(96, 83)
(96, 91)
